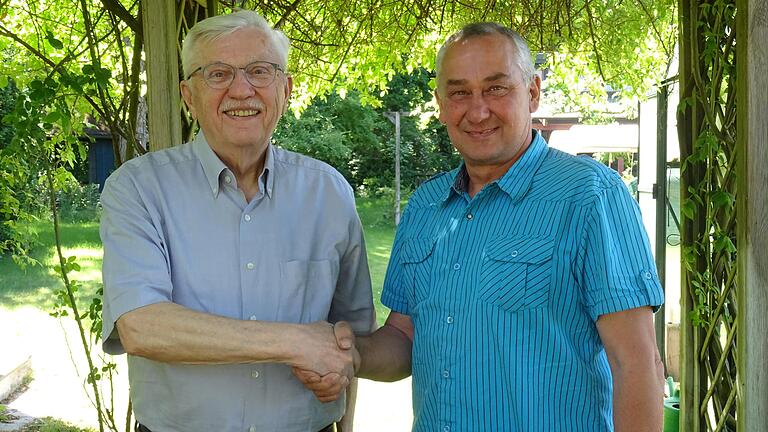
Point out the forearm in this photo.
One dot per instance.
(171, 333)
(385, 355)
(638, 397)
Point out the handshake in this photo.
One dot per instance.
(327, 359)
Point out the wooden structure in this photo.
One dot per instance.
(725, 383)
(724, 144)
(752, 229)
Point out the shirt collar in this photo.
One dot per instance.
(213, 167)
(516, 181)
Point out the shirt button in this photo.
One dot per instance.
(247, 218)
(249, 266)
(446, 428)
(513, 253)
(446, 374)
(456, 266)
(469, 216)
(255, 374)
(252, 429)
(449, 319)
(252, 318)
(648, 275)
(228, 179)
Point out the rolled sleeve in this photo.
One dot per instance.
(619, 271)
(135, 268)
(394, 294)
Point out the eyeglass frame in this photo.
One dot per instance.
(276, 67)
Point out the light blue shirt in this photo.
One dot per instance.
(176, 228)
(504, 290)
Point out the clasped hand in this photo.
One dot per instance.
(331, 369)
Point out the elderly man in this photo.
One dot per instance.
(521, 283)
(224, 257)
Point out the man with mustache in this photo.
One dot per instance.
(226, 257)
(521, 283)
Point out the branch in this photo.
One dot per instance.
(287, 12)
(116, 8)
(652, 20)
(594, 42)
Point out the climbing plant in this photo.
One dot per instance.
(707, 125)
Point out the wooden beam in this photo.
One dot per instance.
(163, 99)
(752, 201)
(693, 384)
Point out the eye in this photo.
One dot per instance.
(497, 90)
(458, 94)
(257, 70)
(218, 73)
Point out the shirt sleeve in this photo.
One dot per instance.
(618, 271)
(353, 299)
(136, 267)
(394, 294)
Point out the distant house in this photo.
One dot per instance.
(101, 157)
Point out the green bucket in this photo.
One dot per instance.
(672, 408)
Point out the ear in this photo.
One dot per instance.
(287, 89)
(535, 90)
(186, 94)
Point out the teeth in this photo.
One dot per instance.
(242, 113)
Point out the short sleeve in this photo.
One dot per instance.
(135, 268)
(394, 294)
(353, 298)
(618, 271)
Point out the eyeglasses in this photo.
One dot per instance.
(220, 75)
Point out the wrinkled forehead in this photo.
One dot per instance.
(483, 57)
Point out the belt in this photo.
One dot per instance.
(330, 428)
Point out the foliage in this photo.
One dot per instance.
(359, 141)
(709, 193)
(47, 140)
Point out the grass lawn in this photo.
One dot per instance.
(35, 285)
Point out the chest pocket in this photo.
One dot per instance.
(516, 273)
(417, 269)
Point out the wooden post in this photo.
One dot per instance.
(689, 120)
(752, 202)
(163, 99)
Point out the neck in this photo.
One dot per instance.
(246, 163)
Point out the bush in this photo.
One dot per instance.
(79, 203)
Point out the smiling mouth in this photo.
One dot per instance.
(242, 113)
(481, 133)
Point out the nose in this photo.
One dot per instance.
(240, 88)
(478, 110)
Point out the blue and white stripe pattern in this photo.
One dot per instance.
(504, 291)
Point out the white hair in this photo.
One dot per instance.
(522, 52)
(217, 26)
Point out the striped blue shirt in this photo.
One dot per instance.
(504, 290)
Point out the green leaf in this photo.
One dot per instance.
(724, 243)
(52, 117)
(53, 41)
(722, 199)
(688, 209)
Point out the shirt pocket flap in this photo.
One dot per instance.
(521, 250)
(417, 250)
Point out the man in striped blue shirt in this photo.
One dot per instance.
(521, 284)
